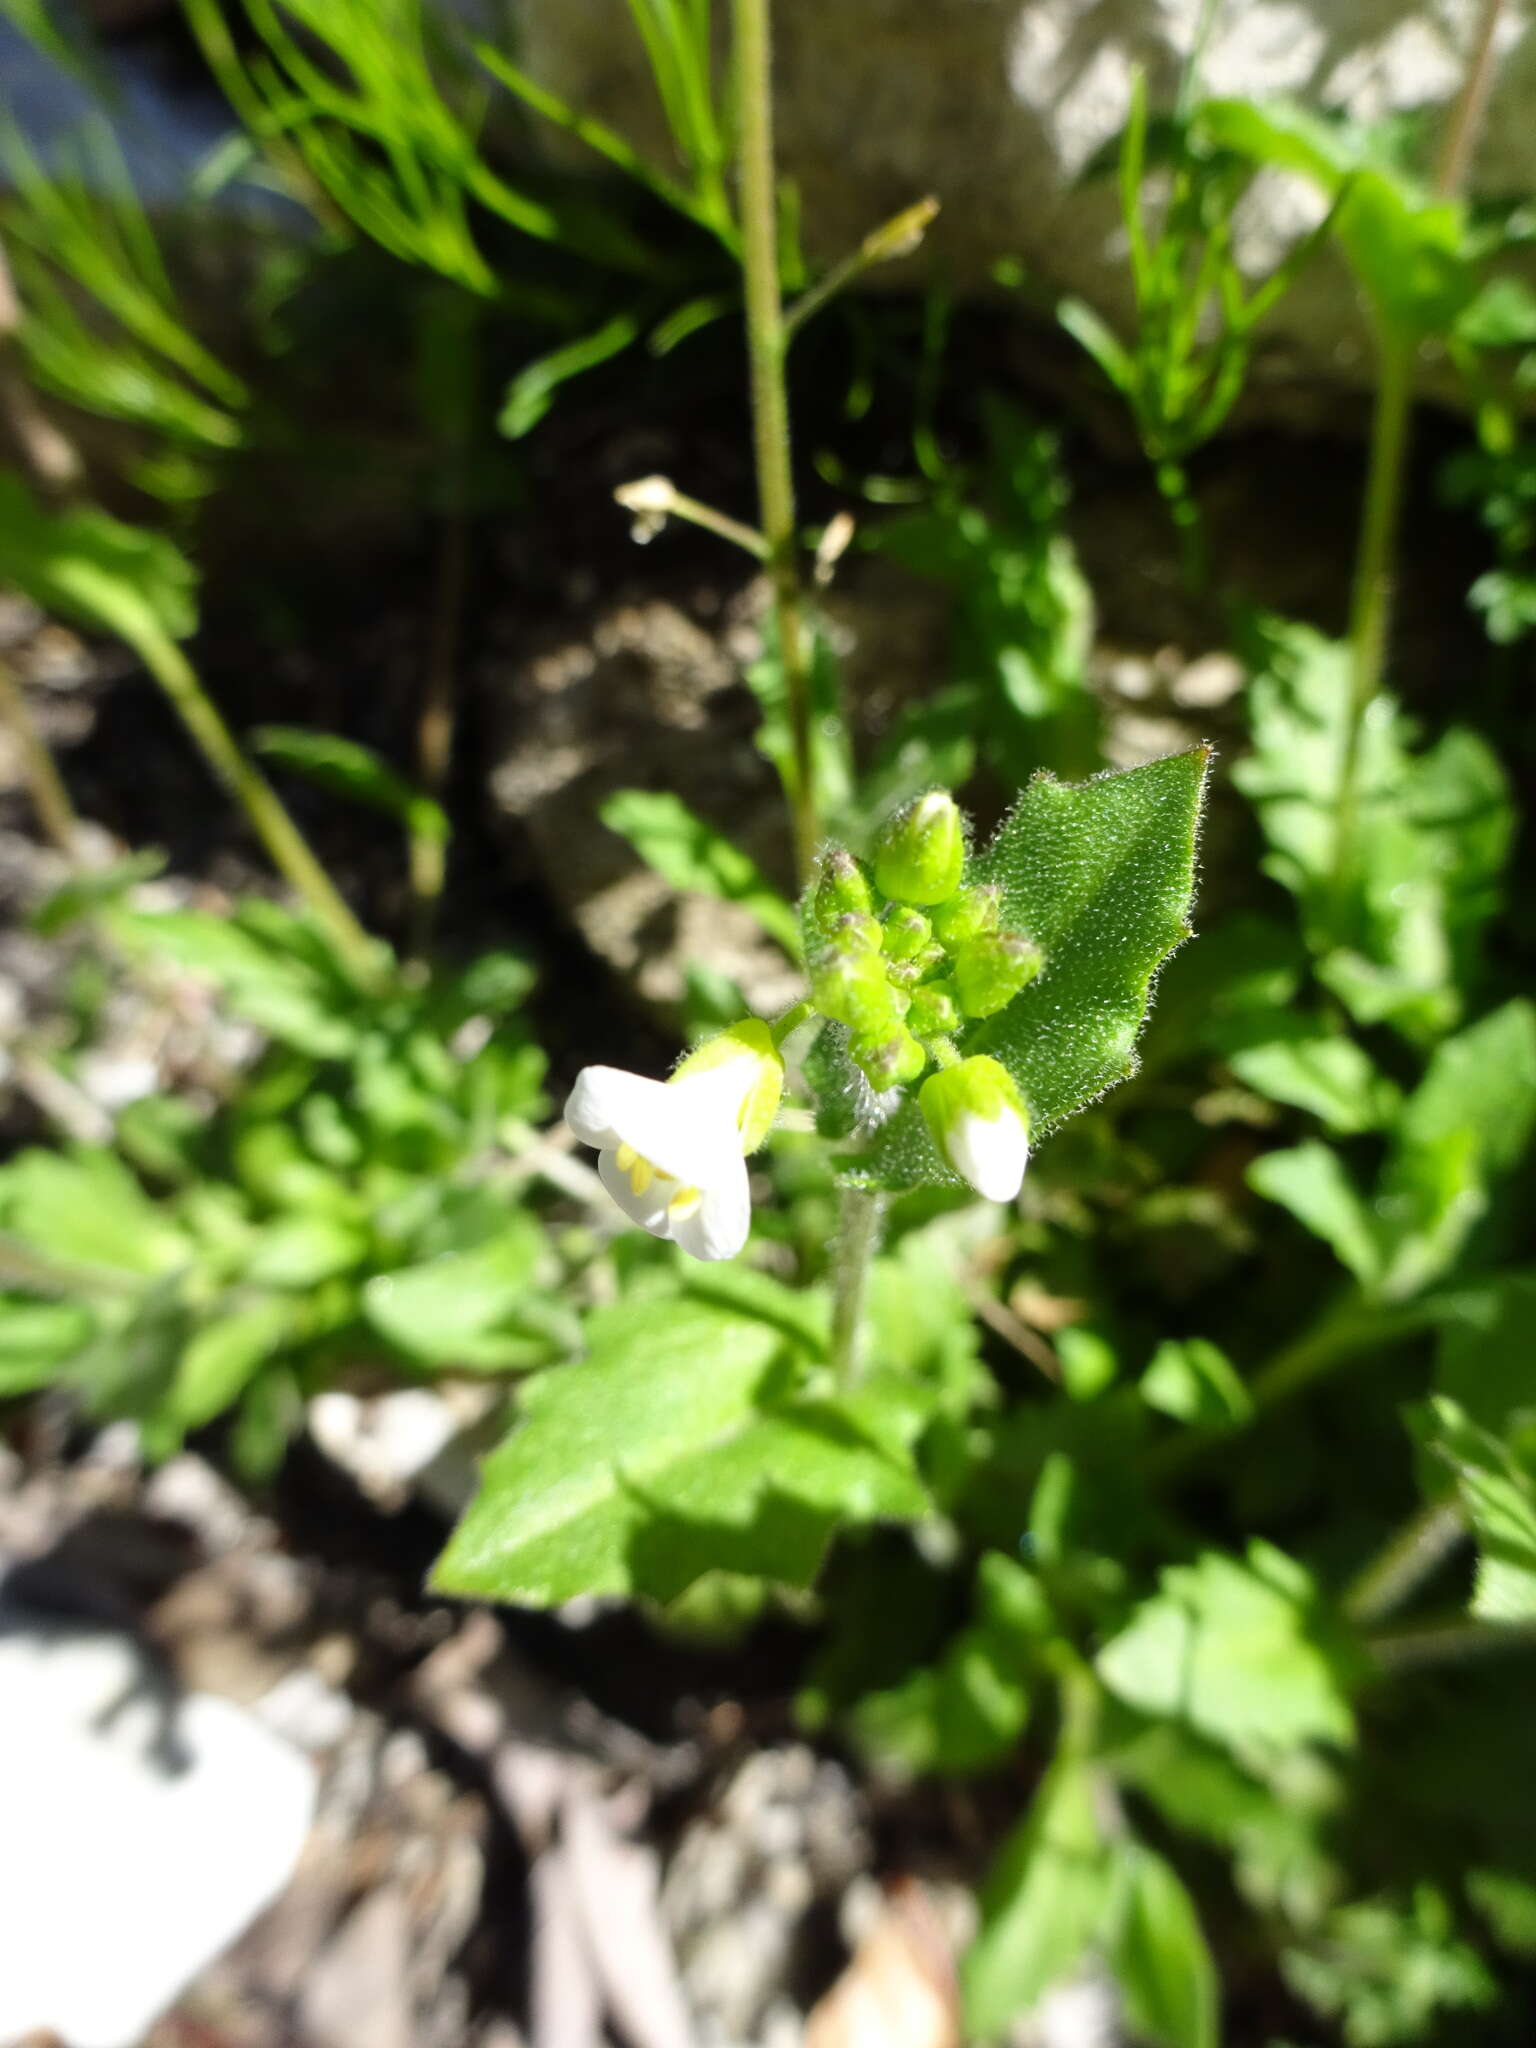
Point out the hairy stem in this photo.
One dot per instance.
(290, 851)
(1371, 601)
(766, 342)
(1413, 1554)
(50, 799)
(858, 1236)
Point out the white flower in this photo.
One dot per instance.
(979, 1125)
(673, 1153)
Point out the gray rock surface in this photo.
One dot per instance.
(996, 106)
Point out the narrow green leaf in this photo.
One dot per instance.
(1159, 1956)
(353, 771)
(467, 1309)
(1195, 1382)
(225, 1356)
(1044, 1904)
(91, 569)
(689, 854)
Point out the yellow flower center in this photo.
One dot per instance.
(642, 1174)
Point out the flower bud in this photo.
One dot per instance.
(980, 1125)
(967, 914)
(906, 933)
(853, 933)
(921, 851)
(933, 1012)
(991, 970)
(840, 888)
(852, 989)
(749, 1041)
(889, 1062)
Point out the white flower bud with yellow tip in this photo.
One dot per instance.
(673, 1153)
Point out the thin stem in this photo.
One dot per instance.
(1413, 1554)
(653, 499)
(858, 1234)
(283, 840)
(1455, 1641)
(1460, 139)
(435, 727)
(1371, 603)
(50, 799)
(791, 1021)
(897, 237)
(770, 407)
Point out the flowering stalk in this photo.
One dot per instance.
(766, 344)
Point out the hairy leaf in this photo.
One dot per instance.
(677, 1446)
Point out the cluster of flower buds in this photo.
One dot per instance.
(906, 956)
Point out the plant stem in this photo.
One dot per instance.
(1455, 1641)
(290, 851)
(893, 239)
(1466, 121)
(655, 498)
(435, 727)
(858, 1234)
(50, 799)
(770, 407)
(1371, 602)
(1415, 1551)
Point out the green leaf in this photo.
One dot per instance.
(263, 971)
(298, 1252)
(225, 1356)
(1043, 1905)
(689, 854)
(1195, 1382)
(1481, 1082)
(83, 1208)
(1099, 875)
(677, 1446)
(1498, 1493)
(1487, 1358)
(353, 771)
(37, 1338)
(1432, 835)
(86, 892)
(1311, 1182)
(1235, 1650)
(531, 392)
(1387, 1970)
(89, 568)
(468, 1309)
(1321, 1071)
(968, 1710)
(1158, 1954)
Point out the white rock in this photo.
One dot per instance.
(142, 1830)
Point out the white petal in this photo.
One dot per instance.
(718, 1228)
(991, 1153)
(603, 1100)
(686, 1130)
(648, 1210)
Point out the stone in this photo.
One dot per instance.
(144, 1828)
(997, 107)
